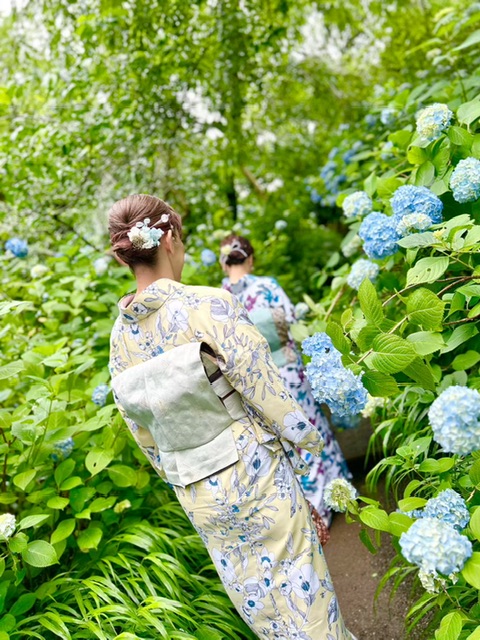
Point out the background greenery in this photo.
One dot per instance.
(230, 110)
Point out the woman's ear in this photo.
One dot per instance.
(167, 241)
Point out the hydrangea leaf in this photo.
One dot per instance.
(425, 308)
(421, 373)
(98, 459)
(460, 137)
(386, 187)
(471, 570)
(475, 523)
(375, 518)
(369, 303)
(379, 384)
(122, 476)
(366, 336)
(90, 538)
(11, 369)
(425, 239)
(427, 270)
(340, 342)
(450, 627)
(466, 360)
(459, 336)
(40, 553)
(468, 112)
(425, 174)
(417, 155)
(33, 521)
(474, 472)
(391, 353)
(63, 531)
(426, 342)
(399, 523)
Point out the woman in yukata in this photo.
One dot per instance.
(270, 309)
(195, 382)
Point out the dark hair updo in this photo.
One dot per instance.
(240, 250)
(125, 214)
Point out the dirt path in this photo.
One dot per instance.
(356, 574)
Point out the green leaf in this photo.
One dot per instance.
(32, 521)
(63, 531)
(375, 518)
(426, 342)
(122, 476)
(459, 336)
(391, 353)
(11, 369)
(460, 137)
(90, 538)
(18, 543)
(399, 523)
(101, 504)
(468, 112)
(425, 174)
(366, 335)
(473, 39)
(425, 239)
(379, 384)
(366, 540)
(71, 483)
(55, 624)
(299, 331)
(425, 308)
(420, 372)
(427, 270)
(97, 459)
(24, 603)
(450, 627)
(340, 342)
(386, 187)
(475, 635)
(40, 553)
(369, 303)
(416, 155)
(466, 360)
(475, 523)
(410, 504)
(207, 633)
(474, 472)
(57, 502)
(22, 480)
(471, 570)
(64, 470)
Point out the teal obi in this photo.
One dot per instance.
(269, 322)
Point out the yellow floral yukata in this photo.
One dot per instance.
(252, 516)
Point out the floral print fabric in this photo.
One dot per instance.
(256, 292)
(252, 516)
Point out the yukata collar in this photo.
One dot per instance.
(136, 307)
(242, 284)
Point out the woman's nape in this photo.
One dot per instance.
(236, 257)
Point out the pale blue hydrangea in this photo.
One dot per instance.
(450, 507)
(100, 266)
(208, 257)
(62, 449)
(455, 420)
(387, 116)
(435, 547)
(379, 235)
(338, 493)
(280, 225)
(352, 246)
(100, 393)
(370, 120)
(411, 199)
(331, 382)
(301, 310)
(360, 270)
(433, 120)
(357, 204)
(18, 247)
(413, 222)
(465, 180)
(352, 152)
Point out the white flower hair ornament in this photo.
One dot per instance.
(142, 236)
(228, 249)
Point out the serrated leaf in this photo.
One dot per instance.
(425, 174)
(474, 472)
(391, 353)
(475, 523)
(459, 335)
(427, 270)
(468, 112)
(426, 342)
(366, 335)
(411, 504)
(450, 627)
(460, 136)
(425, 308)
(11, 369)
(375, 518)
(399, 523)
(369, 303)
(417, 370)
(39, 553)
(340, 342)
(425, 239)
(379, 384)
(471, 570)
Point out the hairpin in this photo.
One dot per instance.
(227, 249)
(142, 236)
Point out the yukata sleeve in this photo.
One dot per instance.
(245, 360)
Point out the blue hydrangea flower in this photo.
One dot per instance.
(360, 270)
(338, 493)
(413, 222)
(455, 420)
(450, 507)
(351, 153)
(62, 449)
(465, 180)
(433, 120)
(386, 150)
(435, 547)
(320, 345)
(387, 116)
(18, 247)
(370, 120)
(100, 393)
(379, 235)
(357, 204)
(411, 199)
(208, 257)
(328, 170)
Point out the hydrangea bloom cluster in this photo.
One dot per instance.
(122, 506)
(435, 547)
(142, 236)
(208, 257)
(455, 420)
(465, 180)
(411, 199)
(352, 246)
(331, 382)
(62, 449)
(450, 507)
(38, 271)
(338, 493)
(357, 204)
(18, 247)
(387, 116)
(373, 403)
(100, 393)
(413, 222)
(433, 120)
(360, 270)
(100, 266)
(350, 153)
(379, 235)
(280, 225)
(8, 523)
(301, 310)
